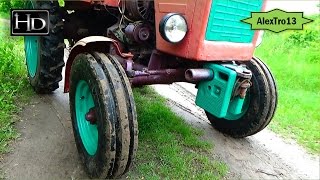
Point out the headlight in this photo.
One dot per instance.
(260, 37)
(173, 27)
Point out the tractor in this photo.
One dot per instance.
(115, 45)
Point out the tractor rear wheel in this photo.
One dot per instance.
(103, 115)
(44, 54)
(259, 106)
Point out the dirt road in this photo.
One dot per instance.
(46, 148)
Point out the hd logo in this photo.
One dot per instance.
(29, 22)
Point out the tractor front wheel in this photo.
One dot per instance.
(103, 115)
(259, 105)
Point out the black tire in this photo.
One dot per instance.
(51, 51)
(262, 104)
(116, 115)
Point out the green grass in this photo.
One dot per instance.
(13, 84)
(4, 15)
(168, 147)
(294, 58)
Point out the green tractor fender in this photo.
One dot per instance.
(89, 44)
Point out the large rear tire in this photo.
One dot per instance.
(259, 107)
(44, 54)
(103, 115)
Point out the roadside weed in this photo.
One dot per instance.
(168, 147)
(13, 84)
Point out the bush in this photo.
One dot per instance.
(307, 37)
(304, 38)
(306, 41)
(6, 5)
(13, 83)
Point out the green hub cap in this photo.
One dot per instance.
(31, 44)
(83, 103)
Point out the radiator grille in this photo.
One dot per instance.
(224, 20)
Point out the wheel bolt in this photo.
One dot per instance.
(91, 116)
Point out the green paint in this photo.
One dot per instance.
(83, 103)
(238, 107)
(225, 20)
(277, 20)
(215, 96)
(31, 44)
(31, 47)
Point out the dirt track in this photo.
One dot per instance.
(46, 148)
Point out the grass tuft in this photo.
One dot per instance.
(13, 82)
(168, 147)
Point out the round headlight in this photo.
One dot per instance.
(173, 27)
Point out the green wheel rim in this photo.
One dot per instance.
(244, 109)
(31, 44)
(83, 103)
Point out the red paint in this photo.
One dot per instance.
(194, 46)
(172, 7)
(113, 3)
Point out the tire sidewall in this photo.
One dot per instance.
(115, 115)
(259, 98)
(82, 70)
(256, 114)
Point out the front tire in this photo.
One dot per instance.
(106, 142)
(44, 54)
(258, 109)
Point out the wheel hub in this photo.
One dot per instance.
(32, 54)
(91, 116)
(85, 115)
